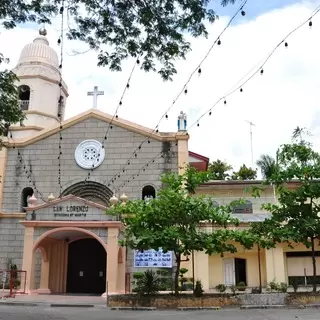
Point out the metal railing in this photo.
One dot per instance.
(24, 104)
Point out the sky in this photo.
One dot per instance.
(287, 95)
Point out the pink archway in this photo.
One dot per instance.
(55, 230)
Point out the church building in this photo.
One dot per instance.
(58, 178)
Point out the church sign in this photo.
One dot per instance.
(70, 208)
(72, 211)
(153, 259)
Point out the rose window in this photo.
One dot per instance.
(89, 154)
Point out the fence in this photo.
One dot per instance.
(12, 282)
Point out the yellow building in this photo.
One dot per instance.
(281, 264)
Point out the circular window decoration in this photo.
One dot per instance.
(89, 154)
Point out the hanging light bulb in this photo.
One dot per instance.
(219, 42)
(199, 71)
(166, 116)
(310, 23)
(286, 44)
(225, 101)
(185, 90)
(210, 113)
(241, 90)
(261, 71)
(198, 124)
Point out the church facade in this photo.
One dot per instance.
(60, 177)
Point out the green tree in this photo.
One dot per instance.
(296, 214)
(172, 220)
(220, 170)
(10, 111)
(244, 173)
(153, 29)
(267, 165)
(262, 235)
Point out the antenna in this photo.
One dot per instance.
(251, 145)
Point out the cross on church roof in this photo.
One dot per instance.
(95, 93)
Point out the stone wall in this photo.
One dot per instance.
(41, 158)
(11, 242)
(265, 299)
(303, 298)
(169, 301)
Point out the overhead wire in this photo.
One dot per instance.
(259, 69)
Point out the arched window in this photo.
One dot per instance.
(243, 207)
(148, 192)
(24, 96)
(90, 190)
(25, 194)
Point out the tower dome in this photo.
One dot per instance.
(42, 94)
(39, 51)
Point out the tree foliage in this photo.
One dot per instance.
(295, 218)
(244, 173)
(220, 170)
(155, 30)
(172, 220)
(10, 111)
(267, 165)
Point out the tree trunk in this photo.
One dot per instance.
(259, 265)
(176, 276)
(314, 279)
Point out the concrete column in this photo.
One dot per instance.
(3, 164)
(28, 257)
(183, 154)
(112, 260)
(201, 266)
(275, 266)
(45, 271)
(121, 283)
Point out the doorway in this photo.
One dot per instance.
(86, 272)
(240, 270)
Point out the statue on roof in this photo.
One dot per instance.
(182, 121)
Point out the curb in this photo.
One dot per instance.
(247, 307)
(133, 308)
(64, 305)
(48, 304)
(27, 304)
(198, 308)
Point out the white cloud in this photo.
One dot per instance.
(286, 95)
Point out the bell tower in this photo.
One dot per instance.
(40, 96)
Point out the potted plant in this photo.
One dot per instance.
(241, 286)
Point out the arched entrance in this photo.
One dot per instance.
(86, 271)
(73, 260)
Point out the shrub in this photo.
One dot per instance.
(221, 288)
(295, 284)
(198, 289)
(147, 283)
(283, 287)
(241, 286)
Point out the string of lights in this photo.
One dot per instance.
(110, 125)
(28, 171)
(183, 90)
(257, 70)
(140, 170)
(61, 100)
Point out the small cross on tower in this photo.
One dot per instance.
(95, 93)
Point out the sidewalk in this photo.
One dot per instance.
(55, 300)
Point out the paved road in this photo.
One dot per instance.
(99, 313)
